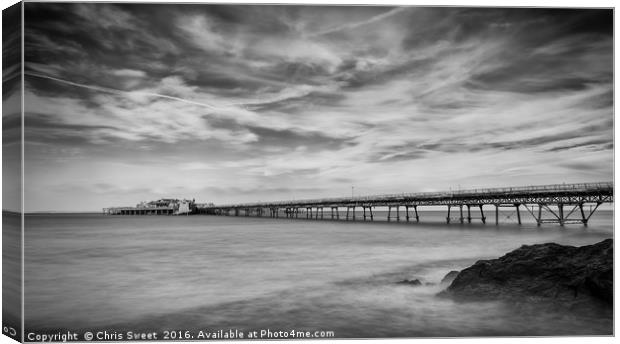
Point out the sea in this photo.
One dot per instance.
(185, 274)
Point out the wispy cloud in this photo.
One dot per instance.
(129, 73)
(355, 25)
(129, 94)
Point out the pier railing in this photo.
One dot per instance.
(505, 191)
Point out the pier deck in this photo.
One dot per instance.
(559, 202)
(138, 211)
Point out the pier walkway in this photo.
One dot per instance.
(559, 203)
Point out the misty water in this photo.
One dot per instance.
(118, 273)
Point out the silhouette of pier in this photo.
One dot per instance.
(559, 203)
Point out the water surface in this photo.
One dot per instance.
(216, 272)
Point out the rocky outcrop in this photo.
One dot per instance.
(449, 277)
(414, 282)
(547, 271)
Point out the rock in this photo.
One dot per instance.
(449, 277)
(415, 282)
(564, 274)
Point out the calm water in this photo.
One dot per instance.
(212, 272)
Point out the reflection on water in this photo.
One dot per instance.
(85, 271)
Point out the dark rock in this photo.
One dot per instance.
(449, 277)
(572, 275)
(410, 282)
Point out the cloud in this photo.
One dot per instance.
(355, 25)
(201, 32)
(129, 73)
(160, 120)
(133, 94)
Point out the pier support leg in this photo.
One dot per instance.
(497, 214)
(539, 219)
(448, 217)
(372, 218)
(398, 213)
(461, 212)
(417, 217)
(348, 212)
(593, 210)
(518, 213)
(389, 213)
(364, 209)
(468, 213)
(561, 213)
(484, 219)
(407, 212)
(353, 213)
(584, 220)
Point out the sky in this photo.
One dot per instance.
(237, 103)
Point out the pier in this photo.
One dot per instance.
(559, 203)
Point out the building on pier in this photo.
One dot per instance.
(164, 206)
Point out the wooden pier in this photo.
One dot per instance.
(560, 203)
